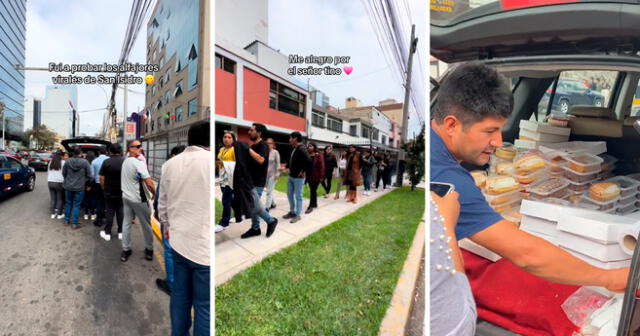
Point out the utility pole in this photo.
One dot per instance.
(2, 113)
(124, 120)
(405, 107)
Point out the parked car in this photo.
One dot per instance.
(572, 92)
(14, 176)
(40, 160)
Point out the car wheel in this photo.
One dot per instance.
(564, 106)
(31, 184)
(598, 103)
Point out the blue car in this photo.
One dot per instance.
(572, 92)
(14, 176)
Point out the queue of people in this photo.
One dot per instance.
(120, 188)
(246, 171)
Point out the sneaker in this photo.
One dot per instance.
(75, 226)
(124, 256)
(326, 195)
(53, 216)
(308, 210)
(86, 217)
(61, 216)
(273, 206)
(93, 217)
(220, 228)
(271, 227)
(251, 233)
(105, 236)
(289, 215)
(119, 235)
(295, 219)
(163, 286)
(148, 254)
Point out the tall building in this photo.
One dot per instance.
(12, 52)
(178, 41)
(57, 111)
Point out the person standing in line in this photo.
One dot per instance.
(258, 166)
(273, 173)
(184, 209)
(389, 171)
(330, 164)
(382, 165)
(166, 284)
(110, 173)
(88, 202)
(136, 183)
(352, 176)
(77, 177)
(314, 175)
(298, 163)
(98, 193)
(226, 165)
(368, 162)
(55, 180)
(342, 165)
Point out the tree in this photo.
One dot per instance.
(43, 137)
(415, 158)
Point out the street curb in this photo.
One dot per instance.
(399, 312)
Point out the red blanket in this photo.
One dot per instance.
(515, 300)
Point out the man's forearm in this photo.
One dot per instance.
(256, 156)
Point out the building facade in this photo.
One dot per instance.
(177, 40)
(12, 52)
(57, 109)
(369, 122)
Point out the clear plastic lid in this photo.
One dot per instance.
(584, 163)
(571, 173)
(558, 201)
(549, 187)
(503, 207)
(626, 209)
(628, 186)
(503, 198)
(582, 204)
(586, 196)
(630, 199)
(531, 176)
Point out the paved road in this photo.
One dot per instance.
(55, 281)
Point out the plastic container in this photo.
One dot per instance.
(584, 163)
(496, 200)
(628, 186)
(506, 206)
(513, 215)
(635, 176)
(549, 188)
(609, 162)
(558, 201)
(582, 204)
(479, 177)
(556, 165)
(506, 152)
(579, 187)
(603, 206)
(624, 201)
(579, 177)
(627, 209)
(558, 120)
(531, 177)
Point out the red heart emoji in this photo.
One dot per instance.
(348, 70)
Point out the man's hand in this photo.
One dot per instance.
(449, 208)
(166, 234)
(618, 279)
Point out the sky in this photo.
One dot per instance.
(337, 27)
(77, 31)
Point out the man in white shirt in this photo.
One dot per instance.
(184, 208)
(136, 185)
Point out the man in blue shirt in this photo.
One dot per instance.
(96, 189)
(473, 104)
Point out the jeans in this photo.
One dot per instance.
(191, 289)
(294, 194)
(168, 260)
(227, 201)
(313, 194)
(114, 209)
(56, 193)
(367, 181)
(72, 208)
(143, 214)
(381, 177)
(271, 184)
(255, 220)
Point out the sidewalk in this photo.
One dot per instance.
(233, 255)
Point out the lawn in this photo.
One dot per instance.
(218, 211)
(338, 281)
(281, 186)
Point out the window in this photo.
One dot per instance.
(15, 164)
(153, 123)
(384, 140)
(317, 118)
(334, 124)
(159, 123)
(178, 66)
(161, 61)
(178, 91)
(353, 130)
(167, 117)
(178, 113)
(193, 107)
(167, 97)
(193, 54)
(222, 62)
(376, 134)
(154, 90)
(286, 100)
(168, 35)
(366, 130)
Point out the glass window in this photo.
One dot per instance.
(15, 164)
(365, 131)
(154, 90)
(167, 97)
(317, 119)
(178, 91)
(167, 77)
(577, 88)
(193, 107)
(353, 130)
(179, 113)
(334, 124)
(286, 100)
(375, 134)
(384, 140)
(218, 61)
(229, 66)
(161, 61)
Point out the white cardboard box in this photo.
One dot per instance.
(591, 248)
(600, 264)
(538, 225)
(482, 251)
(546, 137)
(544, 128)
(597, 226)
(591, 147)
(528, 144)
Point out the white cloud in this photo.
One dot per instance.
(77, 31)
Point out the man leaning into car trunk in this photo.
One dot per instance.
(473, 104)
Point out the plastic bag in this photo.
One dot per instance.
(580, 305)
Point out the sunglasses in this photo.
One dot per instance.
(138, 146)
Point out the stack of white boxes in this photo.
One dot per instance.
(533, 134)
